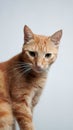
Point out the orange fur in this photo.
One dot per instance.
(23, 78)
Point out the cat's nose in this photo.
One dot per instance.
(39, 67)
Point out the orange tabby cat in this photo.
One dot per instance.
(23, 77)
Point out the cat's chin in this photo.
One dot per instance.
(38, 71)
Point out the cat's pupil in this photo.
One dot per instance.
(47, 55)
(32, 53)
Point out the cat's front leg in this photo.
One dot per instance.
(6, 117)
(23, 115)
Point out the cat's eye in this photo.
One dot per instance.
(48, 55)
(32, 53)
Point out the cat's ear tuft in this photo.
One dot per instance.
(56, 37)
(28, 34)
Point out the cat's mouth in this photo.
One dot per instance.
(38, 69)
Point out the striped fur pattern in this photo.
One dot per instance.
(23, 77)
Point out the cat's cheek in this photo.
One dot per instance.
(52, 60)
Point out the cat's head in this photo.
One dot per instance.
(40, 51)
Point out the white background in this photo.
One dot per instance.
(55, 109)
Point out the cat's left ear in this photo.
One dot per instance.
(28, 34)
(56, 37)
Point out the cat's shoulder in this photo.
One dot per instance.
(2, 66)
(2, 75)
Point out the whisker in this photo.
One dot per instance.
(22, 63)
(20, 67)
(19, 71)
(25, 72)
(22, 70)
(17, 66)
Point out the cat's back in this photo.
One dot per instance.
(2, 77)
(3, 66)
(2, 70)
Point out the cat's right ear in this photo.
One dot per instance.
(28, 34)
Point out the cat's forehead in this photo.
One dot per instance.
(40, 43)
(41, 39)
